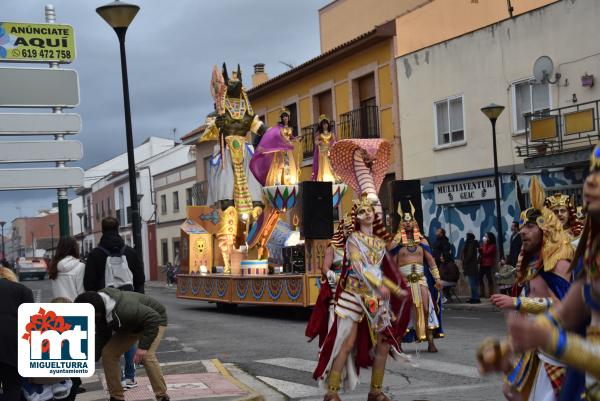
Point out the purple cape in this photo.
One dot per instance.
(271, 142)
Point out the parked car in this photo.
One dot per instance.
(27, 267)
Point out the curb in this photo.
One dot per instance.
(487, 307)
(253, 395)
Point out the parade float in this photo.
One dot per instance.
(244, 246)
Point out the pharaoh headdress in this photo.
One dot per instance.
(558, 200)
(401, 236)
(555, 243)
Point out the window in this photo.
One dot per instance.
(175, 202)
(102, 208)
(189, 199)
(207, 167)
(449, 121)
(528, 97)
(176, 250)
(97, 212)
(293, 118)
(164, 244)
(163, 204)
(109, 206)
(128, 213)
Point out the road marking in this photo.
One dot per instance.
(170, 339)
(303, 365)
(449, 368)
(291, 389)
(444, 390)
(37, 295)
(461, 317)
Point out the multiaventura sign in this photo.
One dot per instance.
(471, 190)
(24, 42)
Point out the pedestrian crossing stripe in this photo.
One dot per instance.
(291, 389)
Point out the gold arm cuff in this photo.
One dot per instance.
(435, 272)
(386, 282)
(532, 305)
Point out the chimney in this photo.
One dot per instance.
(259, 76)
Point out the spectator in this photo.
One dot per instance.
(487, 261)
(506, 278)
(66, 271)
(170, 271)
(515, 245)
(112, 244)
(442, 246)
(12, 295)
(132, 317)
(449, 275)
(470, 268)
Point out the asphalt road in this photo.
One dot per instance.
(269, 344)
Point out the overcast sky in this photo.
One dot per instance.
(171, 48)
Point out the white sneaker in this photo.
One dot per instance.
(129, 383)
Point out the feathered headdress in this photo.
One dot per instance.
(555, 243)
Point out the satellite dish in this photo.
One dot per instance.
(543, 69)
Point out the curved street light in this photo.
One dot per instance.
(493, 111)
(119, 15)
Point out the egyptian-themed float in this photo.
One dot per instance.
(245, 245)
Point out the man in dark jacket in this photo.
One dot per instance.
(131, 317)
(12, 295)
(93, 279)
(515, 245)
(442, 246)
(471, 266)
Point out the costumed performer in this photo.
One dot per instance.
(414, 259)
(544, 279)
(273, 162)
(229, 177)
(563, 208)
(362, 334)
(324, 140)
(555, 333)
(323, 314)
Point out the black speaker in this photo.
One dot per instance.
(316, 204)
(405, 191)
(293, 259)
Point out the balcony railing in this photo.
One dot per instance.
(359, 123)
(562, 130)
(308, 139)
(200, 192)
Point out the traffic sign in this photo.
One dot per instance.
(25, 42)
(40, 178)
(39, 124)
(40, 151)
(38, 87)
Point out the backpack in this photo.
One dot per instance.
(116, 272)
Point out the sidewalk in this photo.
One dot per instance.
(190, 380)
(485, 305)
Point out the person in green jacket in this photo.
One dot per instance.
(122, 319)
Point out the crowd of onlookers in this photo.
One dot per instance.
(129, 324)
(482, 269)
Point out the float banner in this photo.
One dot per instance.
(471, 190)
(31, 43)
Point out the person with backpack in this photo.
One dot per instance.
(114, 264)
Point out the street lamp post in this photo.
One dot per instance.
(52, 237)
(119, 15)
(2, 223)
(80, 215)
(493, 111)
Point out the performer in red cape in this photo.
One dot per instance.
(323, 313)
(372, 310)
